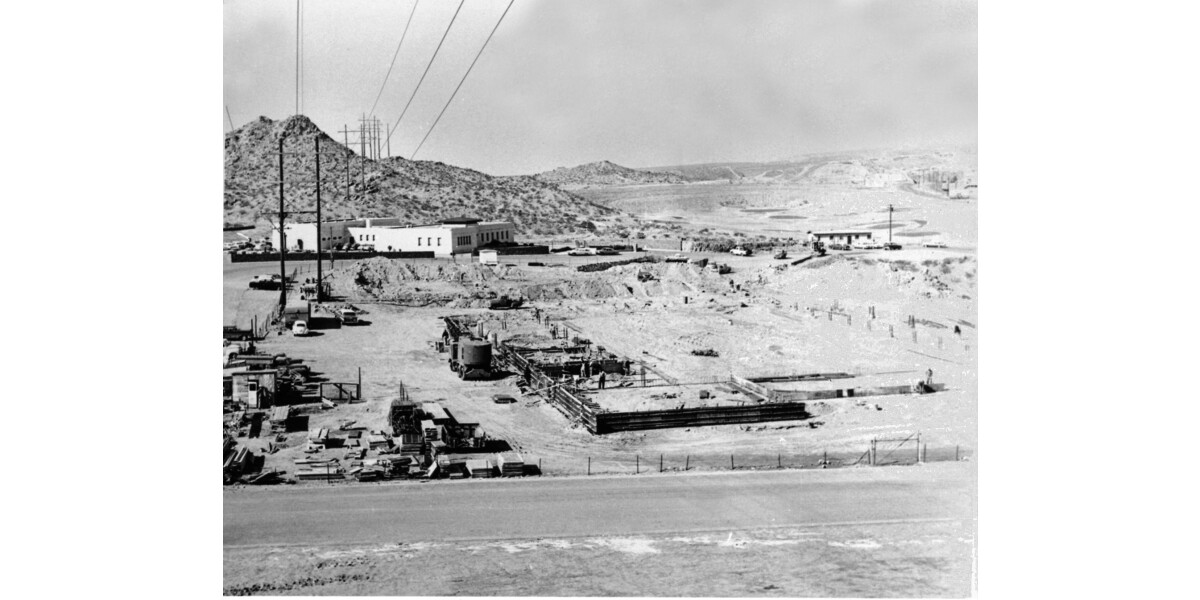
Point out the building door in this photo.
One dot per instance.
(300, 244)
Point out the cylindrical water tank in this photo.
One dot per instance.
(476, 353)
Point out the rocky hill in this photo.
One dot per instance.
(605, 173)
(417, 191)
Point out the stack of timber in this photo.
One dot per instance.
(478, 468)
(511, 464)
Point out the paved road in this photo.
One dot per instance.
(567, 507)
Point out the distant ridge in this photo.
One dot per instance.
(605, 173)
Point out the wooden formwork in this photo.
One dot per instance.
(696, 417)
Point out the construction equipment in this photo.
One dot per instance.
(818, 248)
(782, 254)
(471, 358)
(505, 303)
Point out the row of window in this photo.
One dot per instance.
(429, 241)
(492, 235)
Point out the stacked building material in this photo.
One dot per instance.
(478, 468)
(429, 429)
(319, 474)
(511, 464)
(411, 443)
(378, 441)
(279, 418)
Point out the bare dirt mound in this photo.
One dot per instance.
(474, 285)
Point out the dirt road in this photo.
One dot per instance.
(599, 506)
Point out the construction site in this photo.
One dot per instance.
(602, 366)
(772, 339)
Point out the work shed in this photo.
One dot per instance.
(255, 388)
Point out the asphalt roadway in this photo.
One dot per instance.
(594, 506)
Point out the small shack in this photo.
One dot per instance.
(257, 389)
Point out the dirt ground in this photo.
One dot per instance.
(877, 560)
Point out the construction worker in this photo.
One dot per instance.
(957, 331)
(601, 383)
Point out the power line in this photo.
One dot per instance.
(231, 127)
(464, 78)
(435, 53)
(389, 72)
(297, 57)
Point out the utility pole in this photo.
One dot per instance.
(282, 238)
(320, 281)
(890, 209)
(346, 143)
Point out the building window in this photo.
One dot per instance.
(418, 241)
(439, 240)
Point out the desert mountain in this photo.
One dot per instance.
(604, 173)
(861, 168)
(353, 186)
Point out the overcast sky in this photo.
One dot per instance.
(640, 83)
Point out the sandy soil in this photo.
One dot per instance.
(879, 560)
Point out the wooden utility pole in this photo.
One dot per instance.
(890, 210)
(282, 236)
(320, 281)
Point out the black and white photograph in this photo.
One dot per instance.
(599, 298)
(531, 298)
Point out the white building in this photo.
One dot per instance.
(451, 236)
(838, 237)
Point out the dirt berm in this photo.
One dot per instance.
(473, 285)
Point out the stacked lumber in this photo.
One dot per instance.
(478, 468)
(511, 464)
(411, 443)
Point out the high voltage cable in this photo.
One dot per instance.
(389, 72)
(435, 53)
(297, 56)
(464, 78)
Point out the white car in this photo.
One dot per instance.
(349, 317)
(583, 252)
(300, 328)
(740, 251)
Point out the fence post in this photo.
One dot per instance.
(589, 465)
(660, 463)
(779, 461)
(731, 462)
(892, 330)
(637, 464)
(825, 459)
(918, 448)
(687, 462)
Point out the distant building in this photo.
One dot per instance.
(838, 237)
(449, 237)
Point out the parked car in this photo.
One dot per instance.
(838, 246)
(740, 251)
(782, 254)
(677, 258)
(300, 329)
(349, 317)
(503, 399)
(935, 244)
(892, 246)
(583, 252)
(866, 245)
(607, 252)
